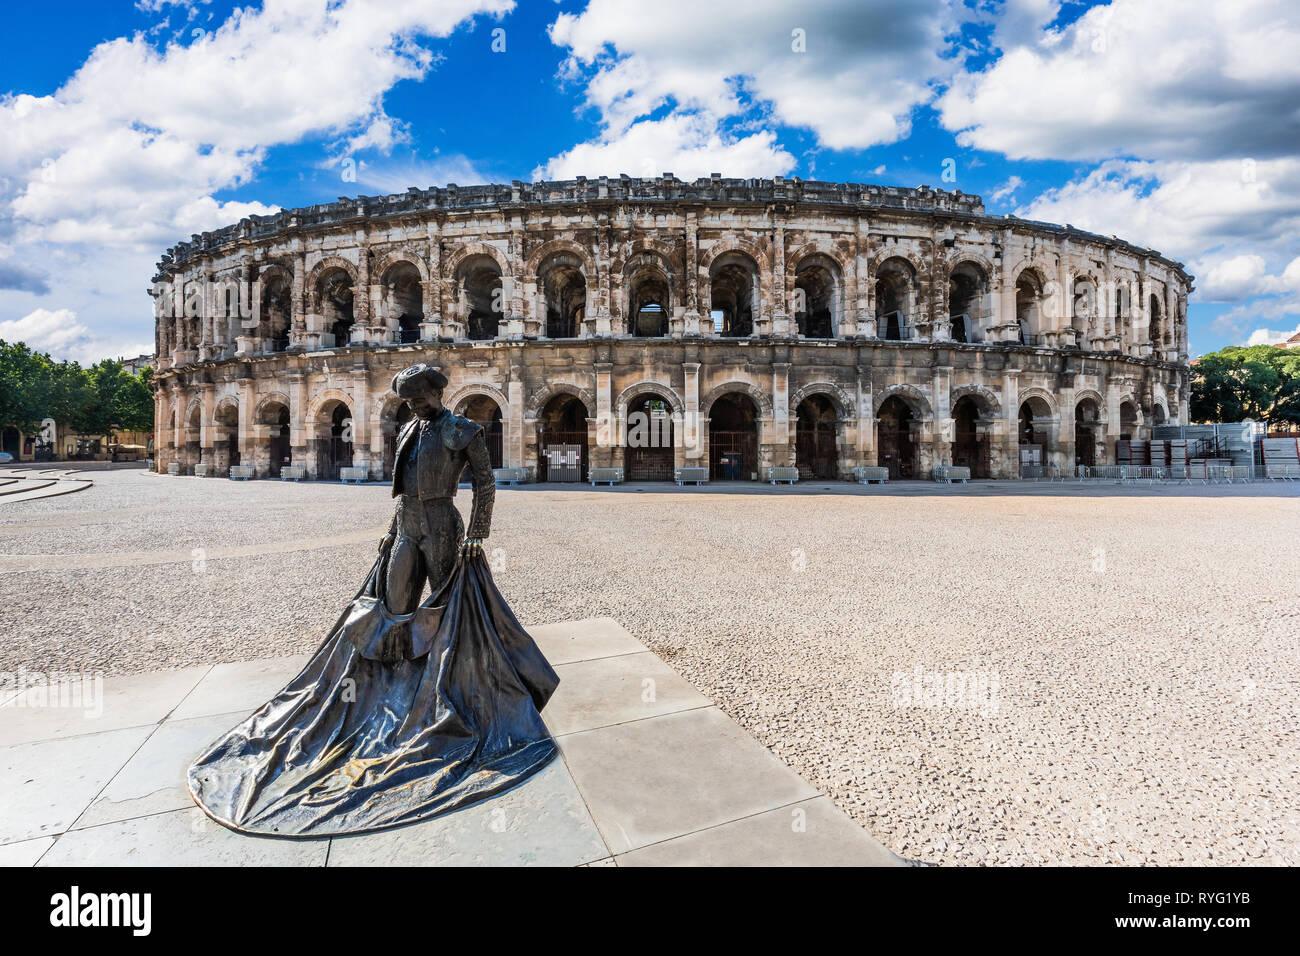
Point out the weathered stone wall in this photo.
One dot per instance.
(777, 291)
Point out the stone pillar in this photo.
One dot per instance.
(208, 431)
(512, 452)
(866, 419)
(606, 434)
(362, 448)
(780, 436)
(782, 322)
(943, 423)
(247, 440)
(693, 318)
(1065, 430)
(298, 432)
(1010, 423)
(431, 293)
(692, 424)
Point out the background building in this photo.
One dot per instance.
(753, 322)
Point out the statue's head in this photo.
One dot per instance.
(421, 385)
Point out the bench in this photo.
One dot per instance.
(691, 473)
(293, 473)
(241, 472)
(951, 473)
(354, 474)
(510, 476)
(610, 476)
(866, 474)
(786, 473)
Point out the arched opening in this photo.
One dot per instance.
(276, 417)
(565, 290)
(649, 300)
(486, 412)
(1158, 415)
(895, 444)
(1029, 306)
(648, 454)
(226, 449)
(970, 446)
(815, 449)
(733, 438)
(1083, 312)
(1128, 421)
(193, 440)
(1157, 324)
(1087, 422)
(480, 296)
(333, 440)
(816, 297)
(733, 294)
(336, 302)
(967, 285)
(12, 442)
(562, 440)
(1034, 432)
(404, 301)
(894, 283)
(392, 426)
(276, 312)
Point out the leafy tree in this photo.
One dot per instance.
(1260, 382)
(25, 386)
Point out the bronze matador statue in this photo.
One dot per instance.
(408, 708)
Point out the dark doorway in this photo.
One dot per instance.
(12, 440)
(814, 445)
(563, 422)
(895, 448)
(970, 449)
(648, 454)
(733, 439)
(336, 452)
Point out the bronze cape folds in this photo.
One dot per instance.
(397, 717)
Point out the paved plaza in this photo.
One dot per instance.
(994, 673)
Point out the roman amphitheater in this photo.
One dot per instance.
(753, 323)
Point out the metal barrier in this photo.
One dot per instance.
(1196, 471)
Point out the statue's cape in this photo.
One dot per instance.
(389, 722)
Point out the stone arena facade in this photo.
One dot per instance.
(740, 324)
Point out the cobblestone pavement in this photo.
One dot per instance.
(1024, 673)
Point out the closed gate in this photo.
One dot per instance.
(556, 438)
(563, 462)
(733, 455)
(815, 454)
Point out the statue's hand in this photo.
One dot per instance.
(472, 546)
(385, 544)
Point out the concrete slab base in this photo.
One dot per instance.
(652, 774)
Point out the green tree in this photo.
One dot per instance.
(1260, 382)
(26, 382)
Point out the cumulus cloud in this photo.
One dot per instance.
(129, 154)
(22, 279)
(851, 71)
(1159, 79)
(58, 332)
(1271, 336)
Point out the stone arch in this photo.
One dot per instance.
(320, 268)
(985, 399)
(465, 251)
(223, 403)
(271, 398)
(913, 397)
(762, 401)
(404, 254)
(649, 387)
(845, 407)
(553, 246)
(885, 253)
(669, 253)
(726, 244)
(322, 398)
(275, 268)
(959, 254)
(1128, 398)
(537, 401)
(1086, 394)
(459, 393)
(823, 247)
(1035, 392)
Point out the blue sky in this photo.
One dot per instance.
(126, 127)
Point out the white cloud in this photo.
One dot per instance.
(688, 145)
(1007, 190)
(1159, 79)
(850, 71)
(58, 332)
(395, 177)
(1271, 336)
(127, 156)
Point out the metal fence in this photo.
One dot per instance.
(1196, 471)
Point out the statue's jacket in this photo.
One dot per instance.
(442, 447)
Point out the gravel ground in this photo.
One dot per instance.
(1117, 669)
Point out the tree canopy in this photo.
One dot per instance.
(94, 401)
(1260, 382)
